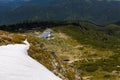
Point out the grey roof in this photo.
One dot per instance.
(45, 34)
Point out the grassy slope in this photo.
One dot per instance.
(93, 50)
(99, 64)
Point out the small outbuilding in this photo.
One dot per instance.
(47, 34)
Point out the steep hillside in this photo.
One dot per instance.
(88, 48)
(96, 54)
(51, 61)
(84, 58)
(91, 50)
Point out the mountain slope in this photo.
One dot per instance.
(100, 12)
(38, 53)
(84, 32)
(91, 50)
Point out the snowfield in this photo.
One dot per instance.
(15, 64)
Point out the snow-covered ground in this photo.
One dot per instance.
(15, 64)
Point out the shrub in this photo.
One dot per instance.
(91, 67)
(107, 76)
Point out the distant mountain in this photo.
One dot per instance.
(14, 3)
(98, 11)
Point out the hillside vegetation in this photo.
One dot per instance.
(99, 54)
(91, 50)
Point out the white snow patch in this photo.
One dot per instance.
(15, 64)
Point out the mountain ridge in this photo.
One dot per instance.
(99, 12)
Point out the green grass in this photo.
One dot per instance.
(96, 38)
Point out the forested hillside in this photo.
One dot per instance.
(98, 11)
